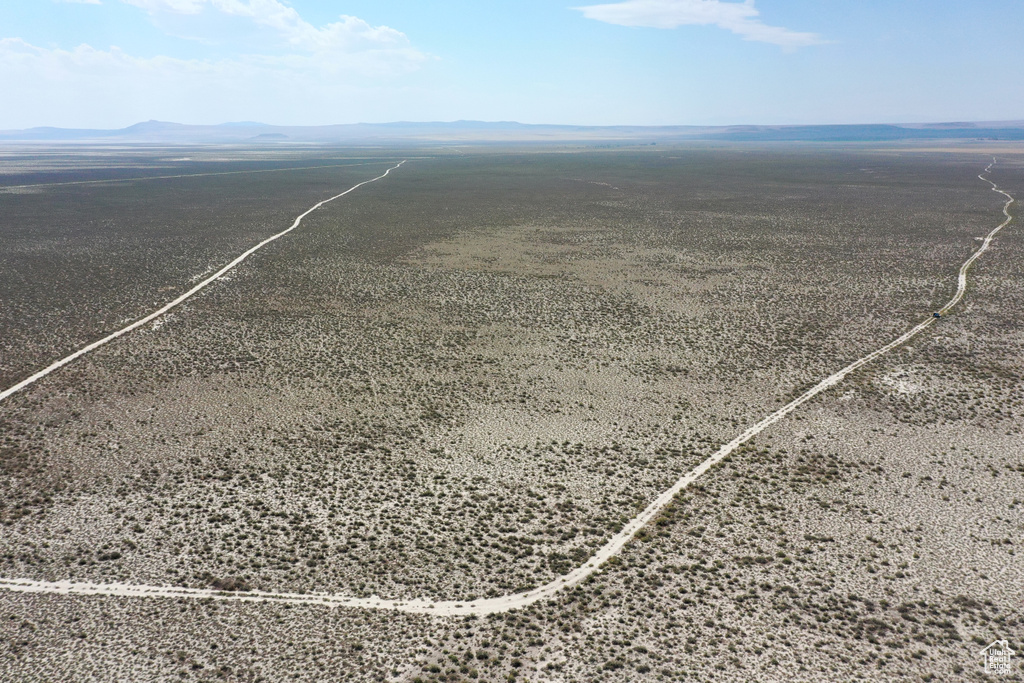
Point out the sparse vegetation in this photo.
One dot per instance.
(462, 381)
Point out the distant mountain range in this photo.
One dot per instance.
(160, 132)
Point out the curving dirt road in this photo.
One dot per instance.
(184, 297)
(517, 600)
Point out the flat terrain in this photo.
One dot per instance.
(459, 381)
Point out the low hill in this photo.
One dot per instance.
(161, 132)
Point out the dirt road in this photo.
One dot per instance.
(517, 600)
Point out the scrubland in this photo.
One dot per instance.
(459, 381)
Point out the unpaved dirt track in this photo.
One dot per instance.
(573, 578)
(6, 188)
(184, 297)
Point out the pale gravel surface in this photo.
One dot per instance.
(181, 299)
(507, 602)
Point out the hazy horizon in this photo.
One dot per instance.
(108, 64)
(553, 124)
(462, 342)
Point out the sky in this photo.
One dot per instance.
(112, 63)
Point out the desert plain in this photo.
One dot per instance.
(459, 381)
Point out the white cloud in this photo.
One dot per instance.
(271, 64)
(89, 87)
(349, 34)
(179, 6)
(739, 17)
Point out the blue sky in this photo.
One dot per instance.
(111, 63)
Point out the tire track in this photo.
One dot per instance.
(453, 608)
(181, 299)
(8, 188)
